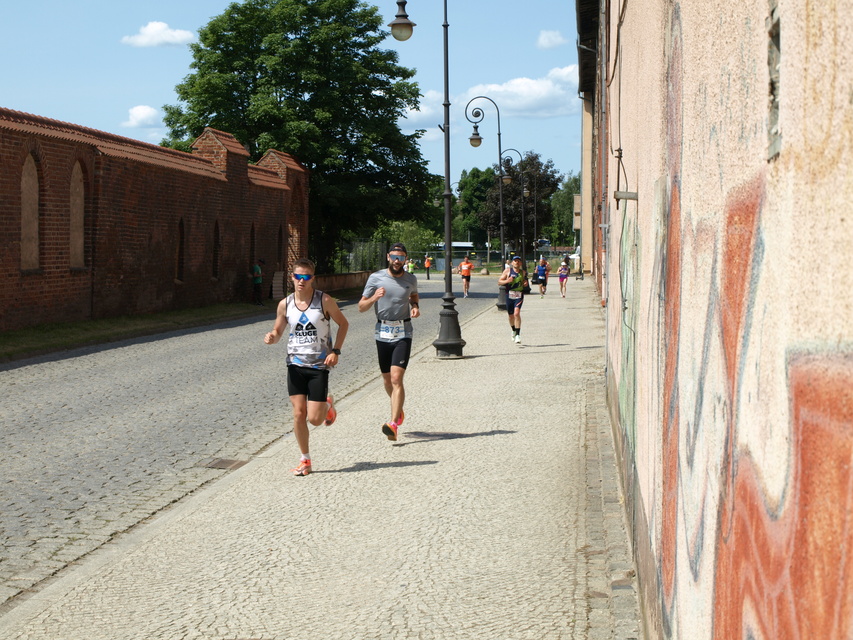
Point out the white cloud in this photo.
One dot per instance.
(142, 116)
(429, 109)
(552, 96)
(155, 34)
(555, 95)
(550, 40)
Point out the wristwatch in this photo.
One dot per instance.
(337, 352)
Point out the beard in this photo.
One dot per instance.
(396, 267)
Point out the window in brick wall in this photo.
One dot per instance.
(217, 245)
(78, 197)
(179, 262)
(30, 210)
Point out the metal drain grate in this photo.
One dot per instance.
(222, 463)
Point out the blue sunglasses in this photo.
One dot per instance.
(302, 276)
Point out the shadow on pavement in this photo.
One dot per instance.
(370, 466)
(433, 436)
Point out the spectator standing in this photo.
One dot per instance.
(257, 276)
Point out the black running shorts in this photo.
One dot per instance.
(394, 354)
(514, 303)
(304, 381)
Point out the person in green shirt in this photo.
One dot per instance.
(514, 278)
(257, 275)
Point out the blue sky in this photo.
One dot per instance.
(112, 65)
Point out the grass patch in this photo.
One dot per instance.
(47, 338)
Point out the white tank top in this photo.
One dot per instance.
(309, 340)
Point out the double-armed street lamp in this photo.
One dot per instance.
(535, 198)
(437, 201)
(524, 192)
(476, 117)
(449, 343)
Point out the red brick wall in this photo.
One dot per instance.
(136, 196)
(54, 291)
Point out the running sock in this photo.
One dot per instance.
(306, 457)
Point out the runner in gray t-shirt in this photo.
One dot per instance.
(395, 294)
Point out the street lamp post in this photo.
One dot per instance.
(535, 198)
(449, 343)
(437, 202)
(476, 140)
(521, 173)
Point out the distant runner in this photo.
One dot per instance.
(514, 278)
(464, 268)
(542, 270)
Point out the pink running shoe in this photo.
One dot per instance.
(303, 469)
(331, 415)
(390, 430)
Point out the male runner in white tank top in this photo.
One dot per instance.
(310, 354)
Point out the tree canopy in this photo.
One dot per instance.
(308, 77)
(541, 179)
(563, 206)
(473, 187)
(416, 237)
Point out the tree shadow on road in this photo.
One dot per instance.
(434, 436)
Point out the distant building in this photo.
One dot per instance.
(95, 225)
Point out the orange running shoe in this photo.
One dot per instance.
(390, 430)
(331, 415)
(303, 469)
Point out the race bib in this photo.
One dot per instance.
(391, 330)
(513, 294)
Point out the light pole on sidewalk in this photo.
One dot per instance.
(449, 343)
(476, 117)
(521, 173)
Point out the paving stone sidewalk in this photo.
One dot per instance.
(496, 515)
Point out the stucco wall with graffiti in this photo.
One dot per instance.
(729, 292)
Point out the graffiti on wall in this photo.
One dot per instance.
(754, 522)
(790, 575)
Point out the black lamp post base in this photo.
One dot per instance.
(449, 343)
(501, 303)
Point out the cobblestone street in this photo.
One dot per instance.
(496, 515)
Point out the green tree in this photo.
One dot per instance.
(435, 221)
(308, 77)
(561, 229)
(472, 190)
(416, 238)
(541, 180)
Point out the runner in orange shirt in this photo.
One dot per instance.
(465, 269)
